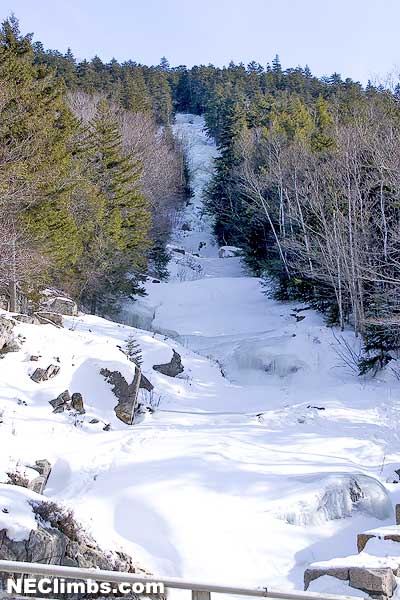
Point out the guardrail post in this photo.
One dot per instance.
(197, 595)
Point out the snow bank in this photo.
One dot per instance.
(331, 585)
(16, 514)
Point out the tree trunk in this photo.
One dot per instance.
(12, 291)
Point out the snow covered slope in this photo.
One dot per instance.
(266, 454)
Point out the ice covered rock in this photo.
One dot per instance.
(335, 496)
(260, 356)
(229, 251)
(137, 314)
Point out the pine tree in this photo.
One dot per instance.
(133, 350)
(115, 248)
(222, 198)
(322, 138)
(35, 129)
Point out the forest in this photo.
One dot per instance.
(306, 183)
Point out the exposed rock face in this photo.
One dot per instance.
(49, 318)
(173, 368)
(58, 545)
(126, 393)
(40, 375)
(63, 306)
(7, 340)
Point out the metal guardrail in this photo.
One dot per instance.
(200, 590)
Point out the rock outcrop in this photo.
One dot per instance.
(63, 306)
(29, 319)
(77, 403)
(8, 342)
(40, 375)
(378, 583)
(46, 317)
(38, 484)
(126, 393)
(173, 368)
(59, 540)
(65, 401)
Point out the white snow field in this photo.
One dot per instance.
(266, 454)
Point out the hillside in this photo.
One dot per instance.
(244, 471)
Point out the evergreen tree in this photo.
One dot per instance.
(116, 246)
(35, 129)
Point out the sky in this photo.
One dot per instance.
(357, 38)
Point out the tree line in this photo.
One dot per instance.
(89, 185)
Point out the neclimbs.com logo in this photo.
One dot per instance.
(47, 586)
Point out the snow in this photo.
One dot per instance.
(378, 554)
(330, 585)
(242, 474)
(16, 514)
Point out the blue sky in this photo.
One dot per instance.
(357, 38)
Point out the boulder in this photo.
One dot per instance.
(38, 484)
(49, 318)
(63, 306)
(373, 581)
(173, 368)
(7, 340)
(127, 394)
(391, 533)
(313, 573)
(146, 384)
(77, 403)
(29, 319)
(40, 375)
(362, 539)
(62, 402)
